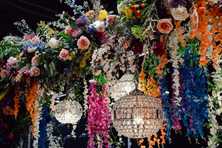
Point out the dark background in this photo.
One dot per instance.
(35, 10)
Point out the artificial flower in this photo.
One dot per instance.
(53, 43)
(103, 14)
(31, 49)
(34, 71)
(82, 21)
(99, 26)
(12, 61)
(4, 73)
(180, 13)
(64, 54)
(90, 14)
(83, 43)
(73, 32)
(213, 1)
(165, 26)
(111, 19)
(35, 40)
(28, 36)
(35, 60)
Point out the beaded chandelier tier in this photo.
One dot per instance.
(137, 115)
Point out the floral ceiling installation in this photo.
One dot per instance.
(168, 50)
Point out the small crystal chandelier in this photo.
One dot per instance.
(137, 116)
(68, 112)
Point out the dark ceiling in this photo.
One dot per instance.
(33, 11)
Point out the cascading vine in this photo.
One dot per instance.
(99, 116)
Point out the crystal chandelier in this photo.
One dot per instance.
(137, 116)
(68, 111)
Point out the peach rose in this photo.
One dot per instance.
(83, 43)
(34, 71)
(64, 54)
(35, 60)
(165, 26)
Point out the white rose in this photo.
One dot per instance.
(99, 26)
(31, 50)
(53, 43)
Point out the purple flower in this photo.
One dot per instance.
(82, 21)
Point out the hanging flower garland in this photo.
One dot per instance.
(194, 92)
(31, 104)
(173, 45)
(215, 23)
(98, 116)
(215, 109)
(203, 31)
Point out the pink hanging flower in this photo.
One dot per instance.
(165, 26)
(34, 71)
(64, 54)
(83, 43)
(99, 116)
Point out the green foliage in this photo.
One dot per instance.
(101, 79)
(8, 49)
(137, 32)
(150, 64)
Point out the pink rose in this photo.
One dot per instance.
(64, 54)
(28, 36)
(83, 43)
(165, 26)
(34, 71)
(73, 32)
(111, 19)
(12, 61)
(35, 60)
(35, 40)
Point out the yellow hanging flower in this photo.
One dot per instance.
(103, 14)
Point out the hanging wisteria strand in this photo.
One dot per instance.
(215, 109)
(175, 98)
(194, 91)
(53, 141)
(99, 116)
(43, 127)
(164, 83)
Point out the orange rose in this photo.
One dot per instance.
(165, 26)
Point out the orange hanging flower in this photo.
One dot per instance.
(31, 98)
(215, 20)
(142, 81)
(203, 32)
(16, 104)
(152, 88)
